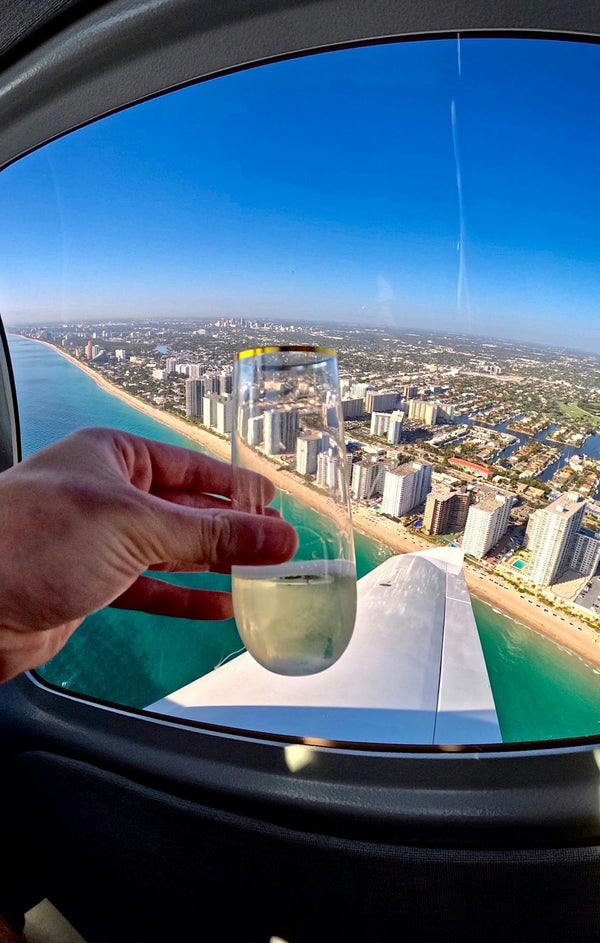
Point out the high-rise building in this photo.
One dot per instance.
(551, 538)
(209, 409)
(225, 383)
(331, 471)
(380, 401)
(422, 410)
(330, 416)
(365, 479)
(217, 411)
(348, 466)
(194, 391)
(487, 522)
(446, 510)
(380, 423)
(308, 446)
(281, 430)
(368, 475)
(211, 383)
(224, 416)
(586, 553)
(359, 390)
(255, 430)
(353, 408)
(395, 427)
(405, 488)
(445, 412)
(330, 457)
(171, 364)
(322, 469)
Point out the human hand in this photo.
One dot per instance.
(8, 934)
(81, 520)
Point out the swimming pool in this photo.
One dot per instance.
(519, 564)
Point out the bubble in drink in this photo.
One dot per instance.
(296, 618)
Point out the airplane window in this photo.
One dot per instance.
(429, 210)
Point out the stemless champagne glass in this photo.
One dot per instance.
(294, 618)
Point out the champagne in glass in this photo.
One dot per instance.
(295, 618)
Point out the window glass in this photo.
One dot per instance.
(430, 211)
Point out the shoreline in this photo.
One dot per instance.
(499, 596)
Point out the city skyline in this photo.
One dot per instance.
(442, 185)
(485, 436)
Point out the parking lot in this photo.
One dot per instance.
(510, 542)
(590, 594)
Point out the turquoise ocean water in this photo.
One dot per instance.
(541, 691)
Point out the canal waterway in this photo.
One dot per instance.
(541, 691)
(590, 448)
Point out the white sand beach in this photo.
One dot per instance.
(577, 637)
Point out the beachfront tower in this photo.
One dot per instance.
(487, 522)
(224, 417)
(281, 430)
(322, 469)
(255, 430)
(331, 469)
(194, 391)
(209, 410)
(365, 479)
(405, 488)
(368, 476)
(308, 446)
(551, 538)
(446, 510)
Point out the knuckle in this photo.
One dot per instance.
(220, 536)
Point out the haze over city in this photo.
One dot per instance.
(448, 439)
(441, 185)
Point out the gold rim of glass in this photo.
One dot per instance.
(286, 348)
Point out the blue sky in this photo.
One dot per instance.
(433, 184)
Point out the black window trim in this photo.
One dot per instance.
(126, 51)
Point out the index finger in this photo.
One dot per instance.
(174, 467)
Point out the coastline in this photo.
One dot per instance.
(499, 596)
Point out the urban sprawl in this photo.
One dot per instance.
(477, 443)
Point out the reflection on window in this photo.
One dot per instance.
(430, 211)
